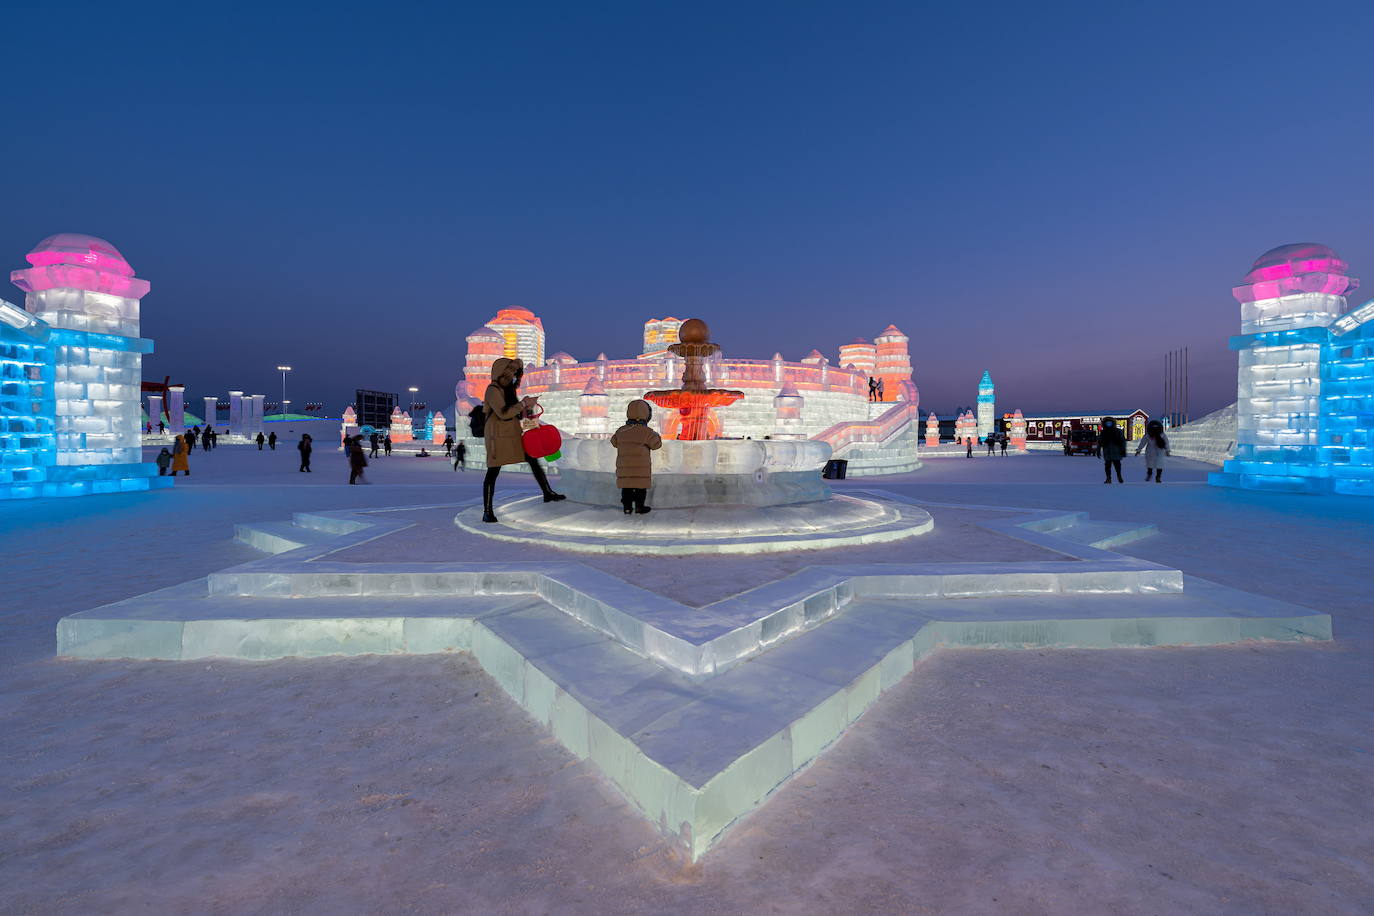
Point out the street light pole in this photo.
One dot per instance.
(283, 370)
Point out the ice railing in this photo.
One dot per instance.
(879, 429)
(720, 373)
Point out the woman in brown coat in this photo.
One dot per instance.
(501, 431)
(633, 463)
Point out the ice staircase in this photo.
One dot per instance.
(696, 715)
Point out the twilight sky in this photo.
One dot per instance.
(1057, 192)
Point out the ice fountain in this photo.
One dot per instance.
(709, 495)
(695, 403)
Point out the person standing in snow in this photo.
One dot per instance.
(1111, 445)
(448, 446)
(633, 468)
(1156, 446)
(260, 440)
(386, 445)
(181, 448)
(164, 461)
(272, 440)
(356, 461)
(305, 447)
(460, 456)
(504, 409)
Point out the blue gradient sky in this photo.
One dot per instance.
(1058, 193)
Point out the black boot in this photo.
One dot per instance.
(543, 481)
(1159, 475)
(488, 494)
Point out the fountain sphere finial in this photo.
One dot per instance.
(694, 331)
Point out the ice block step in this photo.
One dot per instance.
(279, 537)
(1104, 535)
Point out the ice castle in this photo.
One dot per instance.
(71, 366)
(1305, 384)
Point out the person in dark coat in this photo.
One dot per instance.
(164, 461)
(356, 460)
(448, 446)
(386, 445)
(460, 456)
(376, 442)
(1111, 444)
(504, 410)
(207, 439)
(305, 447)
(261, 439)
(272, 440)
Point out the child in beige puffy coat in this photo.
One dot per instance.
(633, 463)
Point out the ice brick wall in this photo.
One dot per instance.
(1211, 438)
(27, 444)
(98, 375)
(1347, 429)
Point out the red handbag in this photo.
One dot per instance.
(543, 440)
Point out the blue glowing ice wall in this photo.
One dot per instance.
(987, 407)
(1305, 383)
(82, 300)
(28, 448)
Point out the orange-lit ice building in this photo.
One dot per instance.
(814, 397)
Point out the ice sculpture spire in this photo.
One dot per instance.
(987, 405)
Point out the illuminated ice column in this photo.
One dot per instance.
(593, 410)
(932, 429)
(788, 406)
(349, 427)
(176, 408)
(236, 413)
(155, 409)
(86, 292)
(257, 412)
(986, 406)
(1018, 431)
(211, 411)
(1289, 298)
(893, 361)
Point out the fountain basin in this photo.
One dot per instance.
(711, 472)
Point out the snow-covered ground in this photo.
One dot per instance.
(1235, 779)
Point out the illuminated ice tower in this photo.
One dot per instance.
(84, 294)
(1305, 382)
(986, 406)
(893, 363)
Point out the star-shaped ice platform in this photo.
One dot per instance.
(696, 712)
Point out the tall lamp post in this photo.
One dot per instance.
(414, 396)
(283, 370)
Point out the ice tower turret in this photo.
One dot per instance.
(987, 405)
(83, 291)
(1287, 300)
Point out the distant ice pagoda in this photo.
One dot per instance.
(71, 366)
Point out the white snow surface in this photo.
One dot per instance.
(1234, 780)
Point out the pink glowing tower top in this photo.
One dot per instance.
(1303, 267)
(70, 260)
